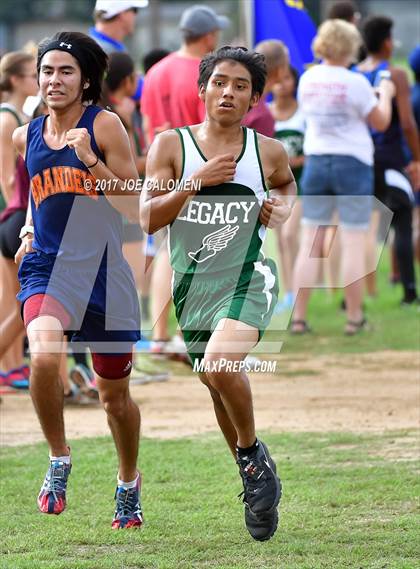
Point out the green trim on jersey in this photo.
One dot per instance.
(14, 113)
(183, 152)
(257, 148)
(243, 144)
(244, 134)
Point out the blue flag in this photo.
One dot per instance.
(288, 21)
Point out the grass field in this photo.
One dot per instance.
(350, 501)
(346, 504)
(392, 327)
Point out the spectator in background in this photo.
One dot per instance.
(345, 10)
(170, 94)
(414, 61)
(277, 61)
(149, 60)
(338, 174)
(114, 21)
(289, 127)
(119, 86)
(391, 184)
(18, 78)
(152, 57)
(170, 100)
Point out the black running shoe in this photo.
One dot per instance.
(262, 487)
(261, 527)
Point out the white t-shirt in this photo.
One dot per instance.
(335, 103)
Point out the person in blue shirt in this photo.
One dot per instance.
(392, 173)
(114, 21)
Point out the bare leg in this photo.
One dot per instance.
(64, 376)
(233, 387)
(134, 255)
(353, 242)
(332, 254)
(306, 270)
(225, 424)
(124, 421)
(291, 230)
(285, 259)
(161, 295)
(11, 325)
(45, 386)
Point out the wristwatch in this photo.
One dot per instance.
(25, 230)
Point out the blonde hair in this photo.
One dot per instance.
(336, 39)
(275, 53)
(12, 64)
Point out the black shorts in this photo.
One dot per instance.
(9, 233)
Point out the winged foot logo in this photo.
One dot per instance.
(213, 243)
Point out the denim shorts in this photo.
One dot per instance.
(333, 182)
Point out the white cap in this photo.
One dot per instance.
(114, 7)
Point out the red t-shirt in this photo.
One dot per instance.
(261, 119)
(170, 93)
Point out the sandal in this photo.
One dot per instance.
(352, 328)
(303, 327)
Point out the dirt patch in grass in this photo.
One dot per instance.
(372, 392)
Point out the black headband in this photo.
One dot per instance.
(70, 48)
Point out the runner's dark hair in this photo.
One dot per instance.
(252, 60)
(92, 60)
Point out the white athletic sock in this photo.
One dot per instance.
(65, 459)
(127, 485)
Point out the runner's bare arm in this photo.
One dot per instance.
(408, 123)
(113, 141)
(19, 142)
(159, 207)
(26, 245)
(405, 111)
(380, 116)
(279, 178)
(19, 139)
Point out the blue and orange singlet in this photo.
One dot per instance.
(78, 236)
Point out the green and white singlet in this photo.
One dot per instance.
(219, 229)
(215, 249)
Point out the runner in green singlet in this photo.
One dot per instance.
(224, 289)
